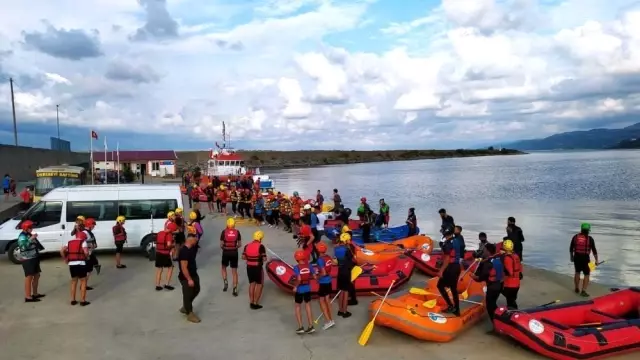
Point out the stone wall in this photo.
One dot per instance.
(22, 162)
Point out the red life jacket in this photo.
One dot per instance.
(305, 273)
(252, 253)
(230, 240)
(512, 272)
(75, 252)
(452, 256)
(163, 239)
(582, 245)
(119, 233)
(328, 263)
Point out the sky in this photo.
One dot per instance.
(316, 74)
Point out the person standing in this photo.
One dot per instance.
(75, 254)
(27, 198)
(447, 221)
(119, 237)
(164, 246)
(325, 284)
(234, 198)
(412, 222)
(491, 272)
(582, 245)
(384, 213)
(6, 186)
(29, 257)
(189, 278)
(302, 289)
(345, 260)
(320, 226)
(364, 213)
(514, 233)
(512, 275)
(450, 272)
(337, 200)
(230, 242)
(319, 199)
(255, 254)
(92, 245)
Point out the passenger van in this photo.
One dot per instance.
(144, 207)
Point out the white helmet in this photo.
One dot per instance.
(307, 207)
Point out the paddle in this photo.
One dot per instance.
(432, 303)
(355, 272)
(366, 333)
(549, 303)
(278, 257)
(322, 314)
(593, 265)
(465, 293)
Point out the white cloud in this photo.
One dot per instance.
(469, 70)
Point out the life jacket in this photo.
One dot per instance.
(384, 209)
(230, 242)
(75, 252)
(454, 257)
(296, 207)
(512, 274)
(582, 245)
(497, 270)
(305, 273)
(191, 228)
(220, 195)
(234, 196)
(163, 239)
(328, 263)
(91, 239)
(119, 233)
(252, 253)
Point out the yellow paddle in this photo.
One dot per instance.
(430, 303)
(355, 272)
(366, 333)
(593, 265)
(418, 291)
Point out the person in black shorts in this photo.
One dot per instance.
(255, 254)
(230, 242)
(582, 245)
(29, 257)
(76, 254)
(344, 256)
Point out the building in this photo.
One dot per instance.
(152, 163)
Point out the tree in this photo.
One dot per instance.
(128, 174)
(490, 148)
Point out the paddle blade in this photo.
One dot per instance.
(464, 295)
(366, 333)
(418, 291)
(355, 272)
(592, 266)
(430, 304)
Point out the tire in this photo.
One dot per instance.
(148, 247)
(12, 252)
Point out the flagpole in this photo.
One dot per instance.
(106, 181)
(118, 159)
(92, 167)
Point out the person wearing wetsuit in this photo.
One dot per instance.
(412, 222)
(337, 201)
(450, 272)
(492, 273)
(384, 213)
(344, 256)
(512, 274)
(447, 221)
(364, 213)
(457, 232)
(514, 233)
(483, 242)
(582, 245)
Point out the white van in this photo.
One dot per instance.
(145, 208)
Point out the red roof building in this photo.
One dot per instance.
(153, 163)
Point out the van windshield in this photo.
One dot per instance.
(45, 184)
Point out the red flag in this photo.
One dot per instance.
(94, 134)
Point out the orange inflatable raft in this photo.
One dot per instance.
(420, 315)
(375, 253)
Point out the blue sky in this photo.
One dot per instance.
(317, 74)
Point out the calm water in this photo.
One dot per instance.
(549, 194)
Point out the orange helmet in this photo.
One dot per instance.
(305, 230)
(26, 225)
(321, 247)
(300, 255)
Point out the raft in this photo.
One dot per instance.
(374, 278)
(430, 262)
(377, 234)
(594, 329)
(409, 314)
(332, 223)
(380, 252)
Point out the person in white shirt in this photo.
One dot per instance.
(76, 254)
(320, 226)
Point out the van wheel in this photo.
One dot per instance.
(148, 247)
(13, 252)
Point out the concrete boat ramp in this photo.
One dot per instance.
(128, 319)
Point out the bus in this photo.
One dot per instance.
(51, 177)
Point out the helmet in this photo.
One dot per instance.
(170, 214)
(26, 225)
(231, 223)
(90, 222)
(80, 217)
(178, 211)
(363, 199)
(345, 238)
(295, 193)
(321, 247)
(81, 235)
(258, 235)
(507, 245)
(222, 187)
(585, 227)
(345, 229)
(305, 230)
(193, 215)
(120, 219)
(300, 255)
(307, 207)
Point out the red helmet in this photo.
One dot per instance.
(363, 199)
(90, 222)
(300, 255)
(305, 230)
(321, 247)
(27, 224)
(81, 235)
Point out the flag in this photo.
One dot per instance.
(94, 135)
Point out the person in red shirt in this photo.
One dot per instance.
(27, 198)
(224, 198)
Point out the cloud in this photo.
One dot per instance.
(73, 44)
(282, 72)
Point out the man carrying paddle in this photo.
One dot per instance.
(582, 245)
(450, 272)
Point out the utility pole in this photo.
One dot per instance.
(13, 107)
(58, 124)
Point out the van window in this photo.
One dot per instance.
(144, 209)
(98, 210)
(45, 213)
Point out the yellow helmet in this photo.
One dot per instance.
(345, 238)
(507, 245)
(258, 235)
(179, 211)
(345, 229)
(194, 186)
(120, 219)
(231, 223)
(170, 214)
(80, 217)
(193, 215)
(222, 187)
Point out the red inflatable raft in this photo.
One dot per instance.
(430, 263)
(374, 278)
(605, 326)
(353, 224)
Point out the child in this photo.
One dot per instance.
(75, 254)
(324, 292)
(302, 289)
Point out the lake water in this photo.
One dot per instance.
(549, 194)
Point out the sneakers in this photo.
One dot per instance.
(345, 314)
(98, 267)
(255, 306)
(328, 325)
(183, 311)
(576, 290)
(89, 288)
(584, 294)
(121, 266)
(352, 302)
(38, 296)
(310, 330)
(84, 303)
(300, 330)
(29, 300)
(158, 288)
(169, 287)
(235, 291)
(193, 318)
(226, 286)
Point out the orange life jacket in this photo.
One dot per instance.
(252, 253)
(230, 242)
(296, 206)
(75, 252)
(512, 271)
(119, 233)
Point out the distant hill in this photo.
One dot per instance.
(589, 139)
(633, 143)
